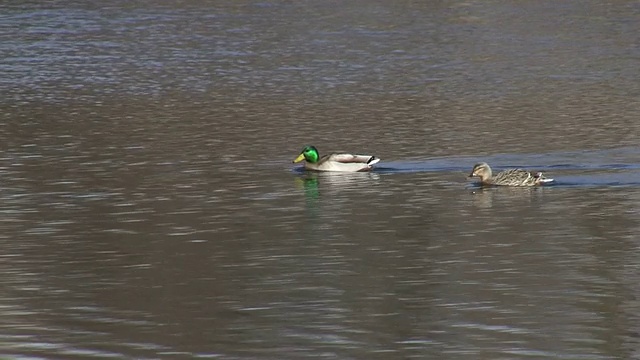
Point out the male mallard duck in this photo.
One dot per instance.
(335, 162)
(511, 177)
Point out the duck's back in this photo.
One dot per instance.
(344, 162)
(514, 177)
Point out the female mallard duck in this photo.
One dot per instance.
(335, 162)
(511, 177)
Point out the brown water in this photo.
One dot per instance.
(149, 208)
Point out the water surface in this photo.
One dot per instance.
(149, 208)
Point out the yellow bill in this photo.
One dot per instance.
(299, 158)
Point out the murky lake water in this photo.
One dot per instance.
(149, 207)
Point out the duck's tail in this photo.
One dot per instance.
(540, 179)
(373, 160)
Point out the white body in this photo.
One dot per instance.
(343, 163)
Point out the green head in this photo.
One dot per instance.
(309, 153)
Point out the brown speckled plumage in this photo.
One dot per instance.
(511, 177)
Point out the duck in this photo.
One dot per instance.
(510, 177)
(335, 162)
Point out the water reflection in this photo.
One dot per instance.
(335, 182)
(504, 196)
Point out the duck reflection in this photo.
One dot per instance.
(334, 189)
(488, 197)
(311, 182)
